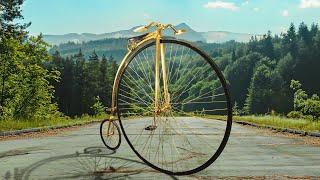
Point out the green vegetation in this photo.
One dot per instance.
(11, 125)
(25, 91)
(281, 122)
(305, 106)
(265, 75)
(98, 107)
(115, 47)
(81, 81)
(259, 73)
(276, 121)
(36, 88)
(295, 114)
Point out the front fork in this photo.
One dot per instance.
(110, 125)
(160, 58)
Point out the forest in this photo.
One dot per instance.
(271, 74)
(259, 73)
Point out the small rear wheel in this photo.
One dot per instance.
(110, 134)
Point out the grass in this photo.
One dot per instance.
(277, 122)
(11, 125)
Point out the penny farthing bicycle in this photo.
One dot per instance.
(166, 96)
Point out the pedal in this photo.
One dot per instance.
(150, 128)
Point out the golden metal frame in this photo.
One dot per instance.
(160, 60)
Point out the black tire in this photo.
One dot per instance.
(103, 138)
(222, 80)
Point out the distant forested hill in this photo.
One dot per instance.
(191, 35)
(117, 47)
(259, 72)
(108, 47)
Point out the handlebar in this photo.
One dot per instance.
(161, 26)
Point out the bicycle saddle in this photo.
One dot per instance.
(137, 38)
(134, 40)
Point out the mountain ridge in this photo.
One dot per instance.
(190, 35)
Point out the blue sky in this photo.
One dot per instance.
(100, 16)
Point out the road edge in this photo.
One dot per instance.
(45, 128)
(287, 130)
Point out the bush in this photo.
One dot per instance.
(235, 109)
(312, 107)
(295, 114)
(98, 107)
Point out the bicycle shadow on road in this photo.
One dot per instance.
(93, 163)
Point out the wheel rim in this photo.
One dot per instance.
(180, 144)
(112, 139)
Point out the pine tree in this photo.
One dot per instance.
(289, 41)
(78, 86)
(104, 82)
(233, 55)
(114, 66)
(91, 81)
(11, 12)
(304, 35)
(267, 46)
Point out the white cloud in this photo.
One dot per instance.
(256, 9)
(221, 5)
(285, 13)
(245, 3)
(309, 4)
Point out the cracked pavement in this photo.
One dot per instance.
(80, 154)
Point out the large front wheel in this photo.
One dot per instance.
(186, 136)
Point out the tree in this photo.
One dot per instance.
(299, 96)
(295, 85)
(259, 91)
(285, 67)
(289, 41)
(308, 106)
(265, 91)
(25, 89)
(104, 82)
(98, 107)
(233, 55)
(239, 74)
(114, 66)
(267, 48)
(78, 86)
(11, 12)
(81, 82)
(314, 30)
(311, 107)
(63, 88)
(252, 45)
(304, 34)
(91, 79)
(26, 93)
(235, 109)
(223, 62)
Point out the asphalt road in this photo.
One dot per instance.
(80, 154)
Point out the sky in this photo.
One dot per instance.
(101, 16)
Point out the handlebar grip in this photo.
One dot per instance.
(141, 29)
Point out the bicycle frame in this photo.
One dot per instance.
(174, 131)
(160, 60)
